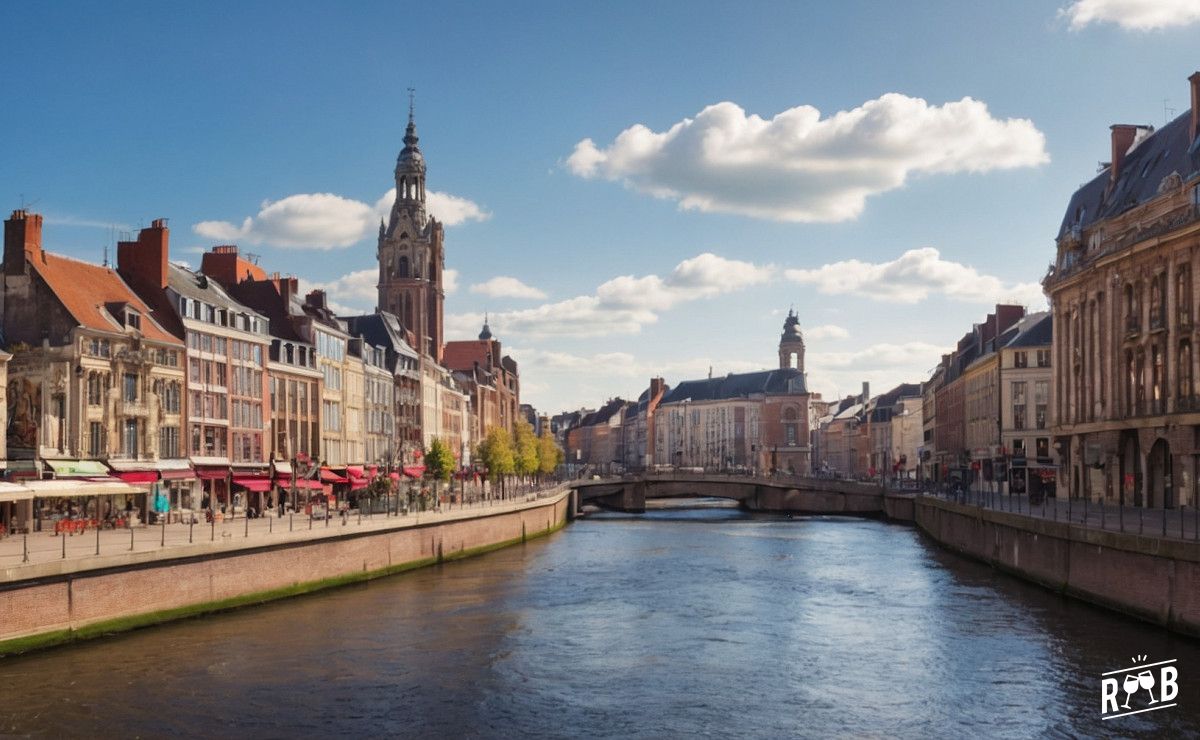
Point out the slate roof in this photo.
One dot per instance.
(1165, 151)
(739, 385)
(85, 291)
(264, 297)
(1037, 334)
(381, 330)
(200, 287)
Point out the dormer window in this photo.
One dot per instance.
(133, 320)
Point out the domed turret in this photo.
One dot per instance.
(486, 333)
(791, 343)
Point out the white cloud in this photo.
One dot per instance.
(800, 167)
(1132, 15)
(624, 304)
(327, 221)
(350, 294)
(826, 331)
(884, 366)
(912, 277)
(503, 286)
(450, 280)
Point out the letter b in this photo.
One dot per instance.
(1108, 691)
(1170, 687)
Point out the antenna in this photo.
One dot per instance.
(412, 91)
(105, 263)
(1168, 113)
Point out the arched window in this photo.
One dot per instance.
(1184, 375)
(404, 267)
(1183, 295)
(1156, 300)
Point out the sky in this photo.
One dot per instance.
(630, 189)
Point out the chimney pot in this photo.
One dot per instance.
(22, 240)
(1123, 136)
(145, 260)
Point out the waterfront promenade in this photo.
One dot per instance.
(36, 554)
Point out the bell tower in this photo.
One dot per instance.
(411, 254)
(791, 344)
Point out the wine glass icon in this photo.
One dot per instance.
(1130, 686)
(1146, 680)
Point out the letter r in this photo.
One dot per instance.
(1108, 690)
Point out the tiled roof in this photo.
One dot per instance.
(85, 290)
(1037, 334)
(462, 355)
(382, 330)
(740, 385)
(1165, 151)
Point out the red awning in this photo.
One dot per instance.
(394, 476)
(358, 484)
(328, 476)
(372, 470)
(414, 471)
(137, 476)
(212, 473)
(260, 483)
(311, 484)
(354, 471)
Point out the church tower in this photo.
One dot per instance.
(411, 255)
(791, 344)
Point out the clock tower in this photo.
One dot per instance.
(410, 253)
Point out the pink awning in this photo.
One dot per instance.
(354, 471)
(358, 484)
(414, 471)
(394, 476)
(177, 474)
(212, 473)
(329, 476)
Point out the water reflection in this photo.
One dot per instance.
(702, 621)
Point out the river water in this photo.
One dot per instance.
(710, 622)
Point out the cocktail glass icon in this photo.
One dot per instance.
(1146, 679)
(1130, 685)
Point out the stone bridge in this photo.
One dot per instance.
(786, 493)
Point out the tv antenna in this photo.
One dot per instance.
(1168, 112)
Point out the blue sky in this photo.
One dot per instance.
(119, 114)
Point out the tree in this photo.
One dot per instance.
(496, 451)
(439, 462)
(550, 455)
(525, 459)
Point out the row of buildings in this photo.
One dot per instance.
(1099, 397)
(220, 385)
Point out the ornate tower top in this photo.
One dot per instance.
(410, 173)
(487, 332)
(791, 343)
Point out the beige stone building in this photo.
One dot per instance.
(1123, 294)
(1027, 408)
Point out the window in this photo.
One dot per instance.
(1156, 300)
(131, 387)
(168, 442)
(1043, 447)
(95, 389)
(131, 438)
(1043, 358)
(1183, 295)
(133, 320)
(1020, 359)
(1018, 449)
(1156, 377)
(96, 439)
(171, 398)
(1184, 373)
(1018, 396)
(1041, 400)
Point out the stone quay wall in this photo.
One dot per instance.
(52, 608)
(1151, 578)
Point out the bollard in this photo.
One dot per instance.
(291, 521)
(360, 516)
(247, 525)
(131, 537)
(191, 526)
(97, 540)
(213, 536)
(64, 545)
(25, 548)
(270, 524)
(163, 542)
(310, 518)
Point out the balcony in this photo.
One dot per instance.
(1185, 320)
(1133, 325)
(1157, 322)
(1187, 403)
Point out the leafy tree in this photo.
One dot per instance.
(550, 455)
(496, 451)
(439, 460)
(525, 459)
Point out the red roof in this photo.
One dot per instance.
(463, 355)
(84, 289)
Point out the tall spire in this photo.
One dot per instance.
(410, 131)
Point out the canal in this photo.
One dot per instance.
(705, 621)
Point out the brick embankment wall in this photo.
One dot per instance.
(1154, 579)
(49, 610)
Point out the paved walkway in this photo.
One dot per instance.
(1177, 524)
(43, 553)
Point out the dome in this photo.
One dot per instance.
(486, 333)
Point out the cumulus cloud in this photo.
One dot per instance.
(327, 221)
(349, 294)
(1132, 15)
(912, 278)
(624, 304)
(826, 331)
(503, 286)
(884, 366)
(800, 167)
(450, 280)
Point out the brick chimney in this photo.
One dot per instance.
(866, 394)
(1195, 129)
(656, 388)
(1123, 136)
(144, 262)
(22, 240)
(287, 287)
(315, 298)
